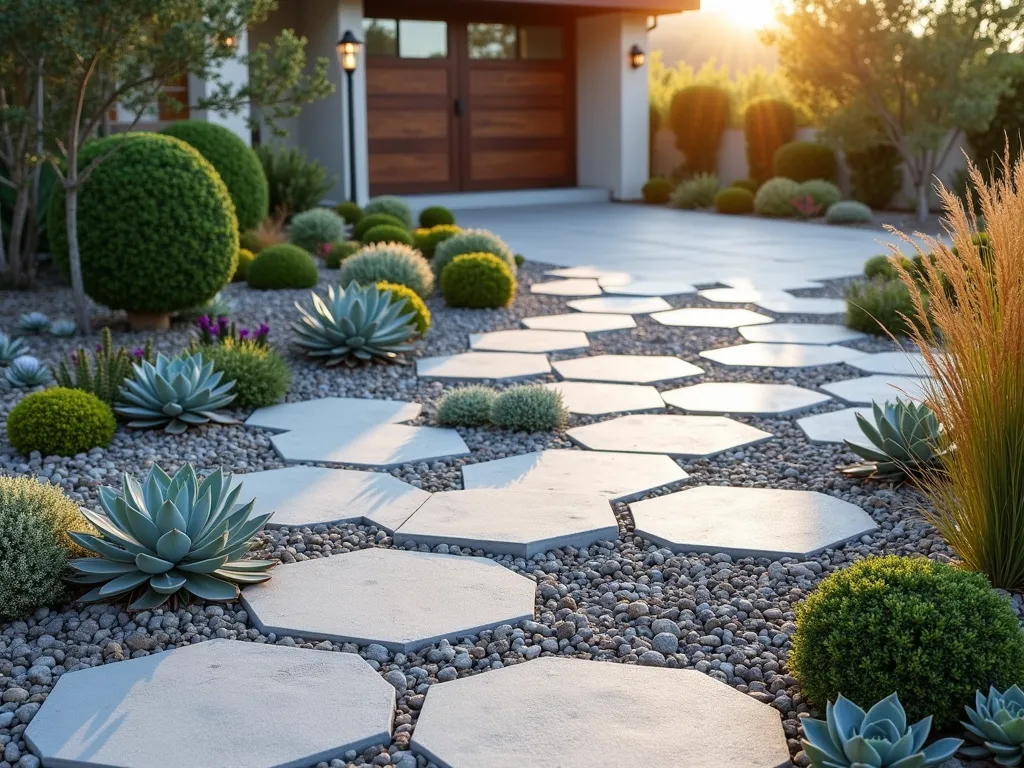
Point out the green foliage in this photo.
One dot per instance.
(11, 348)
(34, 524)
(937, 634)
(848, 212)
(371, 220)
(340, 251)
(412, 301)
(530, 408)
(775, 198)
(657, 191)
(734, 200)
(261, 376)
(349, 211)
(245, 258)
(824, 194)
(697, 192)
(879, 307)
(156, 227)
(282, 266)
(466, 406)
(519, 259)
(387, 233)
(313, 228)
(996, 726)
(427, 240)
(748, 184)
(395, 206)
(805, 160)
(392, 262)
(436, 216)
(1007, 126)
(296, 183)
(60, 422)
(698, 117)
(472, 241)
(170, 535)
(478, 281)
(880, 267)
(103, 372)
(905, 439)
(767, 125)
(875, 175)
(237, 164)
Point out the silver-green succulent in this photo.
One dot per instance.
(355, 325)
(879, 738)
(63, 328)
(26, 371)
(904, 441)
(174, 393)
(996, 726)
(170, 535)
(33, 322)
(11, 348)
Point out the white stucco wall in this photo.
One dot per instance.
(233, 72)
(285, 16)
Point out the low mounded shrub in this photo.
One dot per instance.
(879, 267)
(339, 251)
(805, 160)
(412, 303)
(296, 183)
(282, 266)
(34, 524)
(478, 281)
(60, 422)
(466, 407)
(848, 212)
(349, 211)
(734, 200)
(877, 306)
(313, 228)
(395, 206)
(748, 184)
(387, 233)
(390, 262)
(937, 634)
(775, 198)
(823, 193)
(261, 376)
(245, 257)
(657, 191)
(427, 240)
(371, 220)
(472, 241)
(698, 192)
(530, 408)
(436, 216)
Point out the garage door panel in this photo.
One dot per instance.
(493, 165)
(401, 168)
(514, 123)
(410, 124)
(406, 81)
(516, 82)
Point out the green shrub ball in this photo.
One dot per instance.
(775, 198)
(734, 200)
(530, 408)
(388, 233)
(930, 632)
(282, 266)
(157, 230)
(848, 212)
(472, 241)
(371, 220)
(656, 191)
(805, 160)
(879, 307)
(261, 376)
(390, 262)
(394, 206)
(435, 216)
(478, 281)
(466, 407)
(60, 422)
(349, 211)
(314, 228)
(340, 251)
(237, 164)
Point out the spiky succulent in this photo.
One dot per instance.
(63, 328)
(880, 738)
(33, 322)
(904, 440)
(170, 535)
(26, 371)
(174, 393)
(355, 325)
(11, 348)
(996, 726)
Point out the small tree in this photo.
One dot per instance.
(913, 73)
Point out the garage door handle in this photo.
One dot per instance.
(458, 107)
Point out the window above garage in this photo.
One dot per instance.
(406, 38)
(508, 41)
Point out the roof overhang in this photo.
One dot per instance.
(636, 6)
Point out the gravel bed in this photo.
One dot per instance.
(627, 601)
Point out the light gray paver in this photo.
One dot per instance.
(617, 476)
(835, 426)
(401, 600)
(785, 304)
(744, 397)
(214, 704)
(683, 436)
(380, 447)
(703, 317)
(800, 333)
(624, 305)
(573, 713)
(588, 322)
(483, 365)
(878, 388)
(332, 412)
(527, 341)
(510, 521)
(749, 522)
(645, 287)
(594, 398)
(893, 363)
(781, 355)
(626, 369)
(308, 496)
(746, 295)
(570, 287)
(583, 272)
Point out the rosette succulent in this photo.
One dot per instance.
(26, 371)
(63, 328)
(904, 436)
(170, 535)
(33, 322)
(10, 348)
(174, 393)
(996, 726)
(879, 738)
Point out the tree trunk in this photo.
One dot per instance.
(74, 257)
(922, 202)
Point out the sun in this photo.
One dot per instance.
(751, 14)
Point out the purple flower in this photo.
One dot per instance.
(263, 330)
(139, 353)
(223, 323)
(204, 323)
(99, 347)
(243, 334)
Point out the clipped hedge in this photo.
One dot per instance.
(734, 200)
(282, 266)
(349, 211)
(436, 216)
(767, 125)
(388, 233)
(478, 281)
(371, 220)
(657, 191)
(805, 160)
(60, 422)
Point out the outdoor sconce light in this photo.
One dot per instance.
(348, 48)
(228, 42)
(636, 57)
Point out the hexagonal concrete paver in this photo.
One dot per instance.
(878, 388)
(308, 496)
(617, 476)
(572, 713)
(749, 522)
(746, 295)
(743, 397)
(401, 600)
(784, 304)
(588, 322)
(621, 305)
(594, 398)
(520, 340)
(800, 333)
(683, 436)
(626, 369)
(702, 317)
(377, 447)
(892, 363)
(214, 704)
(586, 272)
(575, 286)
(331, 412)
(645, 287)
(510, 521)
(483, 365)
(781, 355)
(835, 426)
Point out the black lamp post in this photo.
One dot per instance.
(348, 50)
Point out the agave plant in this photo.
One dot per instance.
(11, 348)
(904, 437)
(26, 371)
(851, 738)
(170, 535)
(33, 322)
(174, 393)
(355, 325)
(996, 726)
(63, 328)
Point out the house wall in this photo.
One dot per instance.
(234, 72)
(285, 16)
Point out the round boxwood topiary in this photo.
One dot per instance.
(395, 206)
(413, 303)
(805, 160)
(435, 216)
(282, 266)
(313, 228)
(392, 262)
(387, 233)
(848, 212)
(371, 220)
(775, 198)
(472, 241)
(478, 281)
(657, 191)
(748, 184)
(427, 240)
(60, 422)
(157, 231)
(734, 200)
(340, 251)
(237, 164)
(245, 257)
(930, 632)
(823, 193)
(349, 211)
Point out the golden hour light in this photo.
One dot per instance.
(751, 14)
